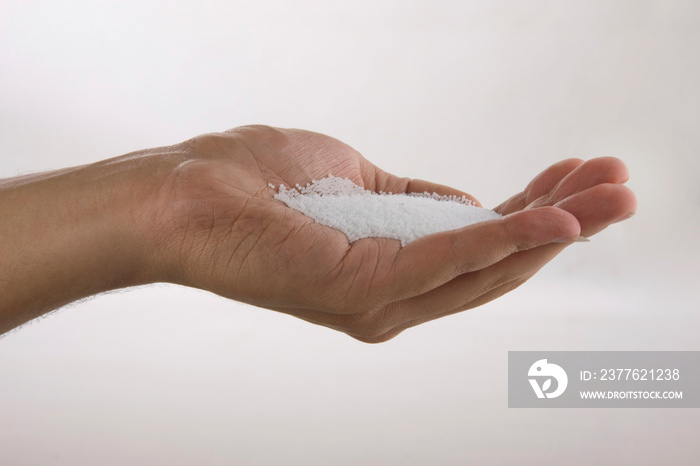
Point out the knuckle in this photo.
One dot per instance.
(513, 284)
(257, 136)
(508, 239)
(502, 279)
(211, 145)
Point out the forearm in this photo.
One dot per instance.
(72, 233)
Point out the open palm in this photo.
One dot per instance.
(233, 238)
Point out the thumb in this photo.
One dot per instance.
(436, 259)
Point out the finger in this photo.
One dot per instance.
(548, 179)
(591, 173)
(474, 289)
(436, 259)
(599, 206)
(540, 185)
(388, 183)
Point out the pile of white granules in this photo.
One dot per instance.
(341, 204)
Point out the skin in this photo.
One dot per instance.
(201, 214)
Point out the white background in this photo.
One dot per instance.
(478, 95)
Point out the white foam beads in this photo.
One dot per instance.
(341, 204)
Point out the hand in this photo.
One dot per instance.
(227, 234)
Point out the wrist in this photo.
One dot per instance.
(137, 214)
(72, 233)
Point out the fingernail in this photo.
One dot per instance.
(575, 239)
(625, 217)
